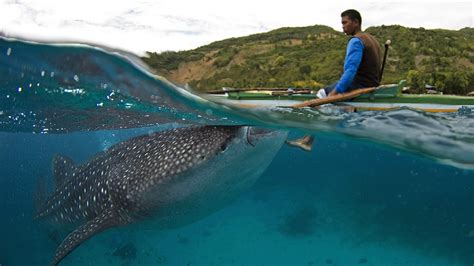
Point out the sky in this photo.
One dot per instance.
(173, 25)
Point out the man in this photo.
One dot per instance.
(361, 65)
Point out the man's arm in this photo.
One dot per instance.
(355, 49)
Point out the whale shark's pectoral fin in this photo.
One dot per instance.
(100, 223)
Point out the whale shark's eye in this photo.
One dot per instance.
(224, 147)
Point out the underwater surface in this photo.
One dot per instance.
(378, 188)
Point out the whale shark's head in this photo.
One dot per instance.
(247, 150)
(228, 146)
(202, 168)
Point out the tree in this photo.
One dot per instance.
(416, 80)
(439, 81)
(305, 70)
(456, 83)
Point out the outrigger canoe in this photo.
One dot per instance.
(384, 97)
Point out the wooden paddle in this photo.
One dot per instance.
(256, 89)
(336, 98)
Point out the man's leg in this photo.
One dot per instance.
(351, 87)
(306, 142)
(330, 88)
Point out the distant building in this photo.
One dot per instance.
(430, 89)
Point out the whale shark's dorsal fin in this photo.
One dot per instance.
(100, 223)
(63, 167)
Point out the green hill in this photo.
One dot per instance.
(313, 57)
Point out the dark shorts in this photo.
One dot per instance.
(353, 86)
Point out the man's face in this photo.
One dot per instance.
(349, 26)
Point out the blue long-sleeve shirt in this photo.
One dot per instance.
(355, 49)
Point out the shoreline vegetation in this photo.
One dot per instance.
(312, 57)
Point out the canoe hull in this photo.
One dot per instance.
(387, 98)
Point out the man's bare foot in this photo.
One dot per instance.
(305, 143)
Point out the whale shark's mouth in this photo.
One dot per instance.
(248, 137)
(254, 133)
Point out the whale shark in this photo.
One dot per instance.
(164, 179)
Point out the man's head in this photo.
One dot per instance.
(351, 21)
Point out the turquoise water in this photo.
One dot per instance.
(379, 188)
